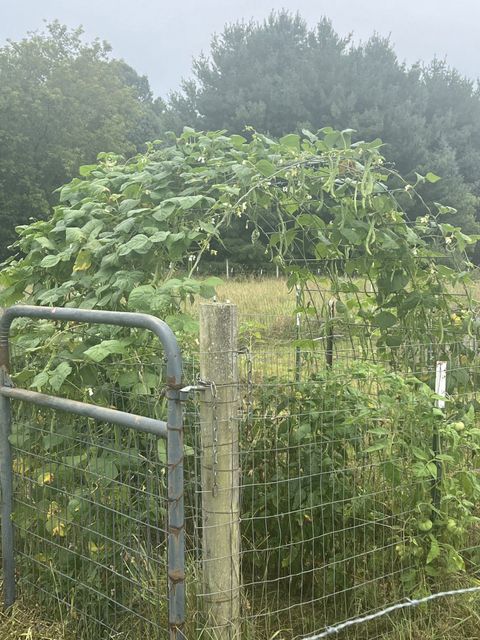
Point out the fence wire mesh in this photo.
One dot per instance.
(91, 503)
(341, 467)
(339, 458)
(90, 523)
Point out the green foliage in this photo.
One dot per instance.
(130, 235)
(353, 469)
(280, 76)
(62, 101)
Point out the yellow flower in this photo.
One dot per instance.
(19, 466)
(46, 478)
(59, 530)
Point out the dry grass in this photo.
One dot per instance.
(26, 623)
(253, 297)
(454, 618)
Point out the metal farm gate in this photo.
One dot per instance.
(171, 431)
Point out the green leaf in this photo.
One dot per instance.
(40, 380)
(392, 472)
(238, 141)
(162, 450)
(419, 454)
(431, 177)
(434, 551)
(378, 446)
(102, 469)
(51, 260)
(385, 320)
(45, 243)
(159, 236)
(139, 244)
(86, 169)
(265, 167)
(432, 469)
(187, 202)
(74, 234)
(128, 204)
(58, 376)
(100, 351)
(140, 298)
(52, 440)
(291, 141)
(127, 379)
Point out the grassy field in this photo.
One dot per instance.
(269, 297)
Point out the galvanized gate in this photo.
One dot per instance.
(171, 431)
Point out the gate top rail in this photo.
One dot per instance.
(96, 316)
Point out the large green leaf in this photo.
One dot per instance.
(138, 244)
(100, 351)
(140, 298)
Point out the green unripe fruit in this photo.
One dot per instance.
(425, 525)
(451, 524)
(459, 426)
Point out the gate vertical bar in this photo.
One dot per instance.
(6, 477)
(176, 517)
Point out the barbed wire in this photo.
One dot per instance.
(410, 602)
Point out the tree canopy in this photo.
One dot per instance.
(280, 76)
(62, 101)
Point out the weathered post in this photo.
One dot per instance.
(220, 472)
(298, 352)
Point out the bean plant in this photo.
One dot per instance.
(129, 235)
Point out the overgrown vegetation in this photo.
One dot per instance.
(129, 236)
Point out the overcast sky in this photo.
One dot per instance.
(159, 38)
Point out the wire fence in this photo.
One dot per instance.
(91, 501)
(357, 493)
(90, 523)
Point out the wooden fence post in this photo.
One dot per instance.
(220, 472)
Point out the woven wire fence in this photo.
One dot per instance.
(90, 506)
(343, 476)
(90, 523)
(335, 453)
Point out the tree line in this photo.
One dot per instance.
(63, 101)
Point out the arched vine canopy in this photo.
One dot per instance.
(129, 235)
